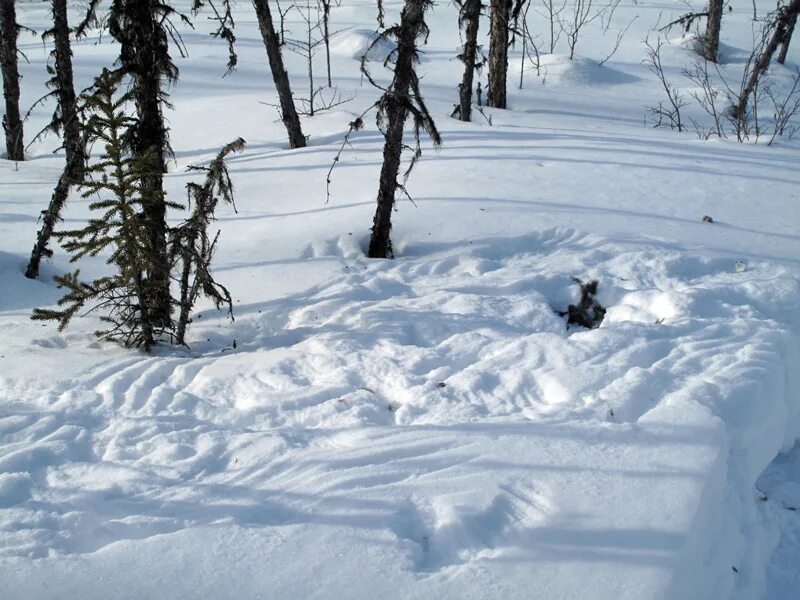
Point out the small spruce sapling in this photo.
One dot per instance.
(129, 297)
(191, 246)
(120, 201)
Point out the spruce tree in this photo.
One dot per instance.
(12, 120)
(118, 186)
(141, 28)
(192, 247)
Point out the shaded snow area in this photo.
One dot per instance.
(426, 427)
(779, 491)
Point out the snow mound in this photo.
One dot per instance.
(560, 70)
(354, 43)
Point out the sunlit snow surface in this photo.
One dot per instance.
(425, 427)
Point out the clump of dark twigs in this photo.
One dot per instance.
(588, 312)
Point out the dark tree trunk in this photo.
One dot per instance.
(144, 57)
(787, 39)
(50, 217)
(412, 24)
(73, 144)
(326, 16)
(12, 121)
(67, 104)
(711, 40)
(272, 44)
(781, 32)
(380, 14)
(471, 19)
(498, 54)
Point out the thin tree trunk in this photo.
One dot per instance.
(310, 59)
(12, 121)
(411, 25)
(326, 14)
(73, 144)
(780, 35)
(185, 303)
(498, 54)
(787, 40)
(471, 16)
(50, 217)
(271, 42)
(713, 24)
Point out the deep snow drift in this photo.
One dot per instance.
(425, 427)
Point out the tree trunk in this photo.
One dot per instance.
(12, 121)
(498, 54)
(73, 144)
(151, 137)
(326, 15)
(711, 40)
(787, 39)
(471, 17)
(50, 217)
(786, 15)
(272, 44)
(67, 104)
(411, 26)
(144, 57)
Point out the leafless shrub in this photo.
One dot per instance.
(785, 110)
(776, 30)
(607, 14)
(709, 98)
(321, 101)
(664, 114)
(750, 109)
(282, 14)
(583, 14)
(315, 14)
(553, 13)
(620, 36)
(530, 48)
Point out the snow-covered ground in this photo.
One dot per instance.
(426, 427)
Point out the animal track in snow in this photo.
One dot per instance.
(447, 531)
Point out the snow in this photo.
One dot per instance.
(779, 492)
(428, 426)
